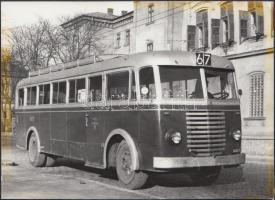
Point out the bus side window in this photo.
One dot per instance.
(133, 87)
(72, 91)
(75, 87)
(41, 94)
(118, 86)
(21, 97)
(62, 92)
(55, 93)
(95, 88)
(147, 83)
(31, 98)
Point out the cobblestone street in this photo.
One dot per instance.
(70, 179)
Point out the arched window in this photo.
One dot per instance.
(256, 82)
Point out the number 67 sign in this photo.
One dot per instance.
(203, 59)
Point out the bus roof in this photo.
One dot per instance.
(179, 58)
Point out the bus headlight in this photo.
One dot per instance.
(236, 134)
(173, 137)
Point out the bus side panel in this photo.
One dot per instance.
(76, 134)
(94, 134)
(32, 120)
(59, 133)
(45, 130)
(21, 129)
(149, 138)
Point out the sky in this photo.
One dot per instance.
(16, 13)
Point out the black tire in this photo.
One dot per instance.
(128, 178)
(205, 175)
(50, 161)
(36, 158)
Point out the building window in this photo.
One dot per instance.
(201, 29)
(256, 17)
(191, 32)
(256, 94)
(150, 46)
(117, 40)
(227, 23)
(150, 13)
(252, 21)
(127, 38)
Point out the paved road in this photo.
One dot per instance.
(70, 179)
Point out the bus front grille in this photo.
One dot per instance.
(205, 132)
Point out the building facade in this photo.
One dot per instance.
(113, 34)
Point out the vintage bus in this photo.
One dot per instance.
(136, 114)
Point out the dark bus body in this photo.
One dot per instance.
(162, 133)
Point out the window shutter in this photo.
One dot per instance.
(260, 17)
(244, 20)
(230, 20)
(215, 28)
(231, 26)
(196, 38)
(191, 32)
(205, 29)
(221, 32)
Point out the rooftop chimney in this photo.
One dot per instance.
(110, 11)
(123, 12)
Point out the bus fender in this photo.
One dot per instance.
(32, 129)
(130, 142)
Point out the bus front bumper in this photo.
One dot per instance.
(182, 162)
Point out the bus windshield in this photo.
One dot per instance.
(180, 82)
(220, 84)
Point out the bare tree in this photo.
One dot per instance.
(30, 45)
(75, 42)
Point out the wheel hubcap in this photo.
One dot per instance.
(126, 173)
(32, 149)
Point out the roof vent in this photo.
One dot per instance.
(110, 11)
(123, 12)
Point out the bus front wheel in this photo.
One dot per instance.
(205, 175)
(36, 158)
(131, 179)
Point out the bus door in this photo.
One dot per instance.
(94, 122)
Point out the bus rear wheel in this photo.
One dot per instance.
(129, 178)
(36, 158)
(205, 175)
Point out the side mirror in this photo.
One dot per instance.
(240, 92)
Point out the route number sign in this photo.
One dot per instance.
(203, 59)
